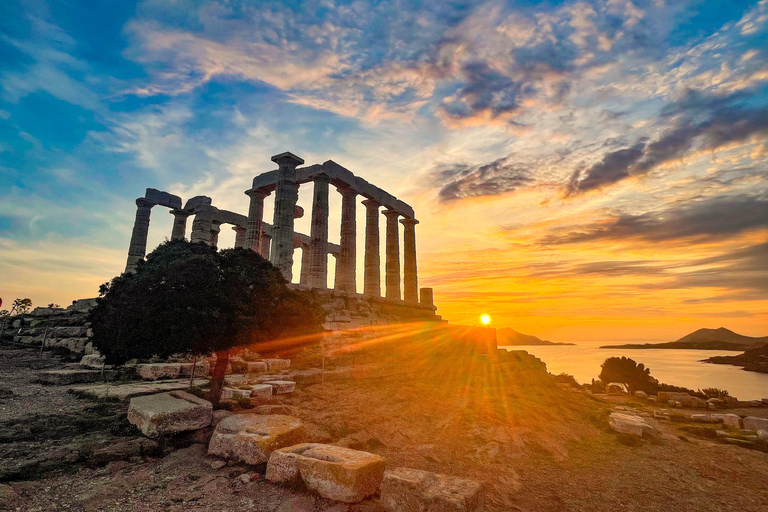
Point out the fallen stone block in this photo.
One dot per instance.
(251, 438)
(154, 371)
(202, 369)
(256, 367)
(629, 424)
(313, 376)
(277, 364)
(94, 361)
(641, 394)
(261, 391)
(729, 420)
(167, 413)
(334, 472)
(754, 423)
(230, 393)
(282, 387)
(411, 490)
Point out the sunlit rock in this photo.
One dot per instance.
(411, 490)
(166, 413)
(251, 438)
(629, 424)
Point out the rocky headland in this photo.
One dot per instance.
(509, 337)
(704, 339)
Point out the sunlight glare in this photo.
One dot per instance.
(486, 319)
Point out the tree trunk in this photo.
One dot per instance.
(218, 372)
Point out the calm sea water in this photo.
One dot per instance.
(677, 367)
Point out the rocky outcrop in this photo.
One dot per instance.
(629, 424)
(251, 438)
(411, 490)
(167, 413)
(334, 472)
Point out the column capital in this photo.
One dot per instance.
(346, 191)
(256, 192)
(180, 213)
(408, 222)
(238, 229)
(144, 203)
(287, 159)
(322, 177)
(371, 204)
(393, 214)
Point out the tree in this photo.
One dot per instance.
(190, 299)
(627, 371)
(21, 306)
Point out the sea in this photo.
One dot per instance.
(678, 367)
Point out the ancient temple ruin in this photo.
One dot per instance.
(278, 240)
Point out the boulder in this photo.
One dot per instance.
(94, 361)
(261, 391)
(641, 394)
(167, 413)
(729, 420)
(282, 387)
(251, 438)
(411, 490)
(154, 371)
(334, 472)
(753, 423)
(629, 424)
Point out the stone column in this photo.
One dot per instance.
(286, 196)
(265, 246)
(372, 280)
(393, 255)
(179, 224)
(346, 281)
(318, 260)
(138, 248)
(215, 229)
(305, 264)
(410, 277)
(201, 226)
(255, 219)
(426, 297)
(240, 233)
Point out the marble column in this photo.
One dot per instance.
(215, 229)
(255, 219)
(318, 259)
(202, 224)
(265, 245)
(346, 281)
(286, 195)
(372, 279)
(179, 224)
(393, 255)
(305, 264)
(138, 248)
(410, 276)
(240, 233)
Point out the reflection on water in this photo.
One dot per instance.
(677, 367)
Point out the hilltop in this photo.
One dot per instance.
(705, 339)
(508, 336)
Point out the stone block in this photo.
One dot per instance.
(94, 361)
(753, 423)
(641, 394)
(230, 393)
(334, 472)
(154, 371)
(256, 367)
(282, 387)
(261, 391)
(729, 420)
(277, 364)
(236, 379)
(251, 438)
(202, 369)
(167, 413)
(412, 490)
(628, 424)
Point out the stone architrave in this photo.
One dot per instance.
(251, 438)
(167, 413)
(410, 276)
(286, 195)
(179, 231)
(346, 278)
(239, 236)
(393, 255)
(265, 246)
(305, 259)
(318, 261)
(138, 248)
(334, 472)
(372, 278)
(255, 219)
(215, 229)
(202, 224)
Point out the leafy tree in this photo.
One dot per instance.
(190, 299)
(21, 306)
(627, 371)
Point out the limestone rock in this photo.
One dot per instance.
(762, 434)
(753, 423)
(282, 387)
(628, 424)
(729, 420)
(251, 438)
(154, 371)
(641, 394)
(277, 364)
(704, 418)
(229, 393)
(94, 361)
(411, 490)
(334, 472)
(256, 367)
(261, 391)
(166, 413)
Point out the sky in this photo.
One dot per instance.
(581, 170)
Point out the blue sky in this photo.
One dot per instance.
(587, 164)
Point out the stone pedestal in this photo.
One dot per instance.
(286, 195)
(179, 224)
(255, 219)
(393, 255)
(240, 233)
(372, 279)
(138, 248)
(318, 260)
(410, 277)
(346, 278)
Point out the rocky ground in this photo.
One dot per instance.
(535, 447)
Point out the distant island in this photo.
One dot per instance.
(753, 360)
(508, 336)
(705, 339)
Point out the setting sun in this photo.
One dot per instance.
(486, 319)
